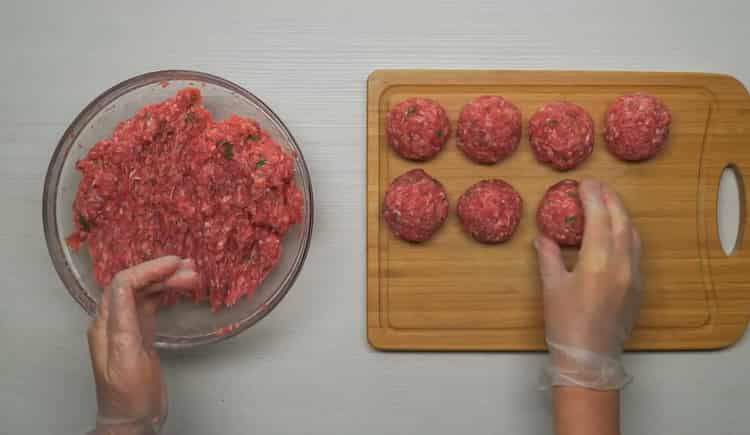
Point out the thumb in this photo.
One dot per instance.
(549, 257)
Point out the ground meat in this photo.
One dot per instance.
(561, 134)
(636, 126)
(415, 206)
(171, 181)
(489, 129)
(490, 211)
(417, 128)
(560, 214)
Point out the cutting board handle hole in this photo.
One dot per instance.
(730, 209)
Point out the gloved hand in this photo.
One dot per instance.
(129, 388)
(589, 312)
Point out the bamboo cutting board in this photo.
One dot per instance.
(452, 293)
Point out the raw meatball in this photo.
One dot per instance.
(561, 135)
(560, 214)
(417, 128)
(415, 206)
(636, 126)
(490, 211)
(489, 129)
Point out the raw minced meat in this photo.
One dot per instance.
(490, 211)
(561, 135)
(560, 214)
(636, 126)
(417, 128)
(489, 129)
(172, 181)
(415, 206)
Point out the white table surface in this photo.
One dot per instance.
(307, 368)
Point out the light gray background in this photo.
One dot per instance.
(307, 368)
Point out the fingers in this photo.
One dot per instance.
(635, 260)
(97, 338)
(626, 240)
(636, 245)
(122, 313)
(622, 233)
(97, 335)
(123, 317)
(551, 266)
(127, 310)
(182, 279)
(597, 232)
(147, 306)
(187, 263)
(102, 312)
(637, 282)
(147, 273)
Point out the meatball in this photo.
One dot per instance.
(417, 128)
(560, 214)
(490, 211)
(489, 129)
(415, 206)
(561, 135)
(636, 126)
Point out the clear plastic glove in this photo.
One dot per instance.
(129, 387)
(589, 312)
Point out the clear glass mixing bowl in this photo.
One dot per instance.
(184, 324)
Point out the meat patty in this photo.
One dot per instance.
(417, 128)
(636, 126)
(490, 211)
(560, 214)
(415, 206)
(561, 135)
(489, 129)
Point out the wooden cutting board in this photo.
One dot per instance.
(452, 293)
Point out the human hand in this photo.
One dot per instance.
(129, 388)
(589, 312)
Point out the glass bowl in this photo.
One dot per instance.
(184, 324)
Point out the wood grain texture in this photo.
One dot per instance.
(452, 293)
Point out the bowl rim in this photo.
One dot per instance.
(52, 181)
